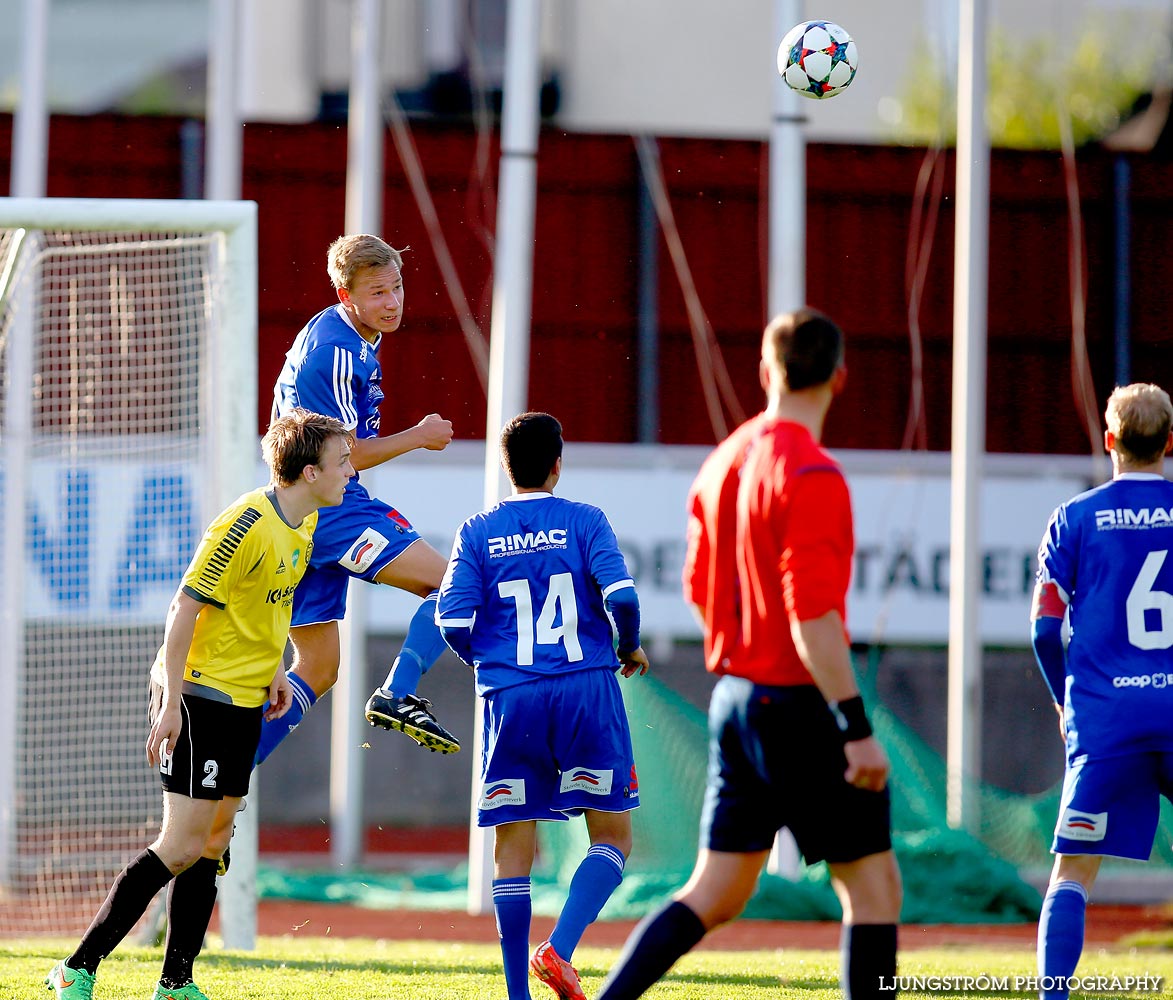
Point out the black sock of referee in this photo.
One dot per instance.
(653, 948)
(128, 899)
(189, 911)
(867, 956)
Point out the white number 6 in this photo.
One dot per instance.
(1142, 598)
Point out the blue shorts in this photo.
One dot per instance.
(1111, 806)
(776, 760)
(357, 538)
(554, 747)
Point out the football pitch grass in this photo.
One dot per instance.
(325, 969)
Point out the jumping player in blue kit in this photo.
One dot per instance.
(528, 601)
(1105, 565)
(333, 368)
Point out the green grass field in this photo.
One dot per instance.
(325, 969)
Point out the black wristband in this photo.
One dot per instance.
(851, 718)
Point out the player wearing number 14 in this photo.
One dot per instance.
(528, 599)
(1105, 564)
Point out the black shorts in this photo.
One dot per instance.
(776, 760)
(213, 758)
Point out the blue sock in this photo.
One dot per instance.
(421, 649)
(594, 880)
(272, 733)
(513, 908)
(1061, 927)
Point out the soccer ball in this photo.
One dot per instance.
(817, 59)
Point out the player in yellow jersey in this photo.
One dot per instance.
(219, 663)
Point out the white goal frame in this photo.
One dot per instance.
(229, 445)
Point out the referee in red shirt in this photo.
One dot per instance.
(770, 544)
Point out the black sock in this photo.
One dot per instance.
(867, 955)
(128, 899)
(653, 948)
(189, 910)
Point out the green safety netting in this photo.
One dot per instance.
(949, 876)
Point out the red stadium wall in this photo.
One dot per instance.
(860, 208)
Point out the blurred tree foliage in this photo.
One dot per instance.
(1097, 81)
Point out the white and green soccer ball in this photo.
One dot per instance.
(817, 59)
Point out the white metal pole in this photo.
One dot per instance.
(510, 325)
(223, 135)
(969, 425)
(232, 417)
(30, 130)
(787, 228)
(222, 182)
(364, 214)
(17, 433)
(786, 289)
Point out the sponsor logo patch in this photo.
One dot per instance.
(1143, 681)
(506, 792)
(585, 779)
(531, 541)
(1075, 824)
(1126, 517)
(363, 551)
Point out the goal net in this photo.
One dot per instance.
(127, 420)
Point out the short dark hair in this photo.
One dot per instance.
(805, 346)
(530, 446)
(296, 440)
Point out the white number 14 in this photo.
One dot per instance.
(543, 631)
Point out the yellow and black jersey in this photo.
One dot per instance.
(244, 570)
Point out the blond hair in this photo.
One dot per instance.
(350, 254)
(1140, 417)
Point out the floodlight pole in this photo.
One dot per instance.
(222, 182)
(364, 214)
(971, 249)
(30, 132)
(510, 324)
(223, 135)
(786, 287)
(787, 228)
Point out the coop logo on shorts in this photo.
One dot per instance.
(363, 551)
(1155, 681)
(1075, 824)
(586, 779)
(505, 792)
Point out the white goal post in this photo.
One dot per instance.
(128, 402)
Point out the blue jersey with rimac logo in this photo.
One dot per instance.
(332, 369)
(529, 578)
(1110, 552)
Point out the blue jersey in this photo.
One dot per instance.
(529, 579)
(333, 370)
(1109, 552)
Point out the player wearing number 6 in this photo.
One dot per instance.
(528, 601)
(1105, 564)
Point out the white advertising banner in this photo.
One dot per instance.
(110, 542)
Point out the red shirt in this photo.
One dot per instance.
(770, 539)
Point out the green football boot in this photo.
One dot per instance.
(70, 984)
(188, 992)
